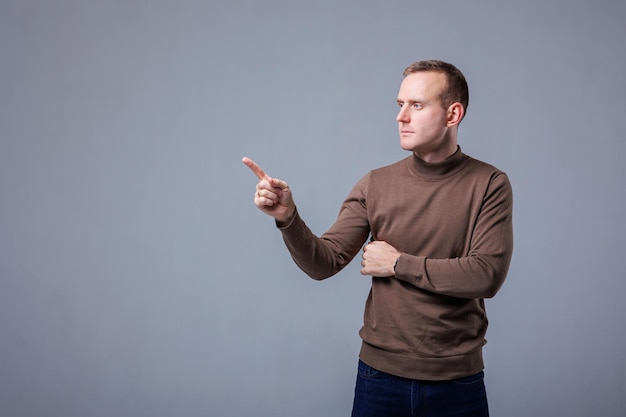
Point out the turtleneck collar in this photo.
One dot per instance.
(438, 170)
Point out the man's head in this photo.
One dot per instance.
(432, 98)
(456, 86)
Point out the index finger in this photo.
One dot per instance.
(258, 171)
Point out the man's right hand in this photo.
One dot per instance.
(272, 195)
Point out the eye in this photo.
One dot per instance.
(400, 104)
(417, 106)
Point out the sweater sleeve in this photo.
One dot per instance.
(324, 256)
(481, 273)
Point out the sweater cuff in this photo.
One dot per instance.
(287, 224)
(409, 268)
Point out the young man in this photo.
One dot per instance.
(441, 242)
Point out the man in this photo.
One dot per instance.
(441, 242)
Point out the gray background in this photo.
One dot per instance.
(137, 277)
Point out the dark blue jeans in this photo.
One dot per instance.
(378, 394)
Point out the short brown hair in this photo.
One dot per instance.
(457, 89)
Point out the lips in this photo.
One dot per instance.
(403, 129)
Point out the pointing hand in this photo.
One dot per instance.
(272, 195)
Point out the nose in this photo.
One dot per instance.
(403, 115)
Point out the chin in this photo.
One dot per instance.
(408, 146)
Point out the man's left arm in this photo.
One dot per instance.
(480, 274)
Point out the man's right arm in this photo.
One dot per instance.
(324, 256)
(319, 257)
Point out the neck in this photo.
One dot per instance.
(439, 154)
(438, 170)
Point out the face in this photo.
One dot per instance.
(423, 123)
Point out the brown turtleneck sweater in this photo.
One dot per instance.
(452, 222)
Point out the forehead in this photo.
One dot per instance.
(426, 85)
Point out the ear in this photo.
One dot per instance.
(455, 114)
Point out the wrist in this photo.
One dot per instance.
(286, 220)
(395, 264)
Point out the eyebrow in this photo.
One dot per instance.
(411, 101)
